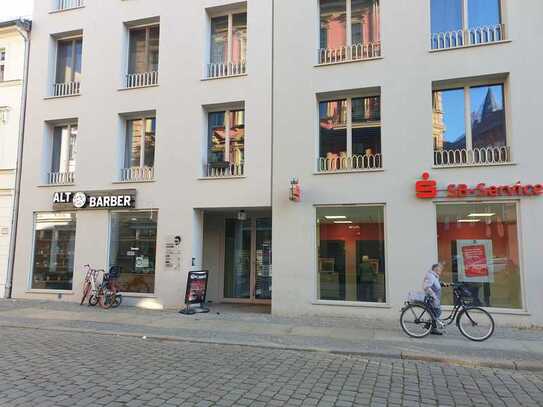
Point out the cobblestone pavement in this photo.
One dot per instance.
(45, 368)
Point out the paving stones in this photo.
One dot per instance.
(48, 368)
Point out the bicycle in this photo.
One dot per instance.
(106, 293)
(475, 323)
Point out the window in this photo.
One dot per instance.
(350, 134)
(133, 249)
(143, 56)
(139, 159)
(228, 53)
(54, 244)
(469, 126)
(457, 23)
(226, 143)
(349, 30)
(68, 69)
(4, 115)
(64, 154)
(351, 253)
(2, 64)
(479, 243)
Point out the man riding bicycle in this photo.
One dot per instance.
(432, 286)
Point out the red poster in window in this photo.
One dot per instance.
(475, 261)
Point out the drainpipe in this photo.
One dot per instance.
(23, 28)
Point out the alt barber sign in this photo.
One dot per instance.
(114, 199)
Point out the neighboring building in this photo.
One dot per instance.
(168, 117)
(12, 66)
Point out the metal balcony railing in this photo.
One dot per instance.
(485, 34)
(61, 178)
(134, 174)
(354, 162)
(138, 80)
(355, 52)
(224, 70)
(474, 157)
(66, 89)
(224, 169)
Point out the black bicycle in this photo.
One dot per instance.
(476, 324)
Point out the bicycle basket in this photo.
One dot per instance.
(114, 272)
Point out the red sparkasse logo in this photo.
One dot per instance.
(427, 189)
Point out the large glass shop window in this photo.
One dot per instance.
(54, 245)
(133, 248)
(479, 244)
(351, 254)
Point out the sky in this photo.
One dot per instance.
(10, 9)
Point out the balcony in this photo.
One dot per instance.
(225, 70)
(485, 156)
(61, 178)
(486, 34)
(69, 4)
(140, 80)
(344, 163)
(137, 174)
(349, 53)
(224, 169)
(66, 89)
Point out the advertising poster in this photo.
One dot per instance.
(475, 261)
(173, 253)
(196, 293)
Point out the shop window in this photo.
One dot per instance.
(349, 30)
(457, 23)
(226, 143)
(350, 134)
(480, 245)
(351, 254)
(469, 126)
(133, 249)
(54, 244)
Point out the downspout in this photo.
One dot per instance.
(23, 28)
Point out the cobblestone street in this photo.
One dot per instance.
(46, 368)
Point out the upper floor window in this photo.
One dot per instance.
(143, 55)
(228, 48)
(469, 126)
(139, 153)
(4, 115)
(64, 152)
(349, 30)
(68, 4)
(2, 64)
(350, 134)
(68, 67)
(459, 23)
(226, 144)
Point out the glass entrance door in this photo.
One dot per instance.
(248, 260)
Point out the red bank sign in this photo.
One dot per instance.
(427, 188)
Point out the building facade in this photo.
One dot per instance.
(164, 147)
(12, 65)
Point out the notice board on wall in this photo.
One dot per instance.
(475, 261)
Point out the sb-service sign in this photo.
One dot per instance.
(113, 199)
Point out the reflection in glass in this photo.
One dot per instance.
(479, 243)
(263, 288)
(239, 38)
(236, 137)
(217, 137)
(140, 143)
(484, 13)
(64, 149)
(143, 53)
(133, 248)
(366, 117)
(365, 21)
(152, 58)
(351, 250)
(219, 40)
(54, 244)
(69, 60)
(333, 128)
(237, 260)
(449, 124)
(333, 23)
(446, 15)
(488, 116)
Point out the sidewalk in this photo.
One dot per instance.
(229, 324)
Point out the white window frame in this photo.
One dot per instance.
(142, 151)
(64, 151)
(3, 52)
(73, 40)
(4, 115)
(147, 28)
(230, 15)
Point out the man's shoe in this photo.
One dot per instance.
(436, 332)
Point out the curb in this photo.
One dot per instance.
(471, 363)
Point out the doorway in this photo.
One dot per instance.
(248, 260)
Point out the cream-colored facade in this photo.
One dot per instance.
(224, 212)
(12, 63)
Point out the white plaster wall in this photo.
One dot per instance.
(404, 75)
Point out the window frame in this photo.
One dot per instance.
(466, 87)
(69, 126)
(230, 34)
(4, 115)
(147, 28)
(73, 40)
(517, 203)
(316, 246)
(228, 129)
(128, 134)
(3, 52)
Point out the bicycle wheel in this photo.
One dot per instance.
(86, 291)
(416, 320)
(93, 300)
(475, 324)
(118, 300)
(105, 299)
